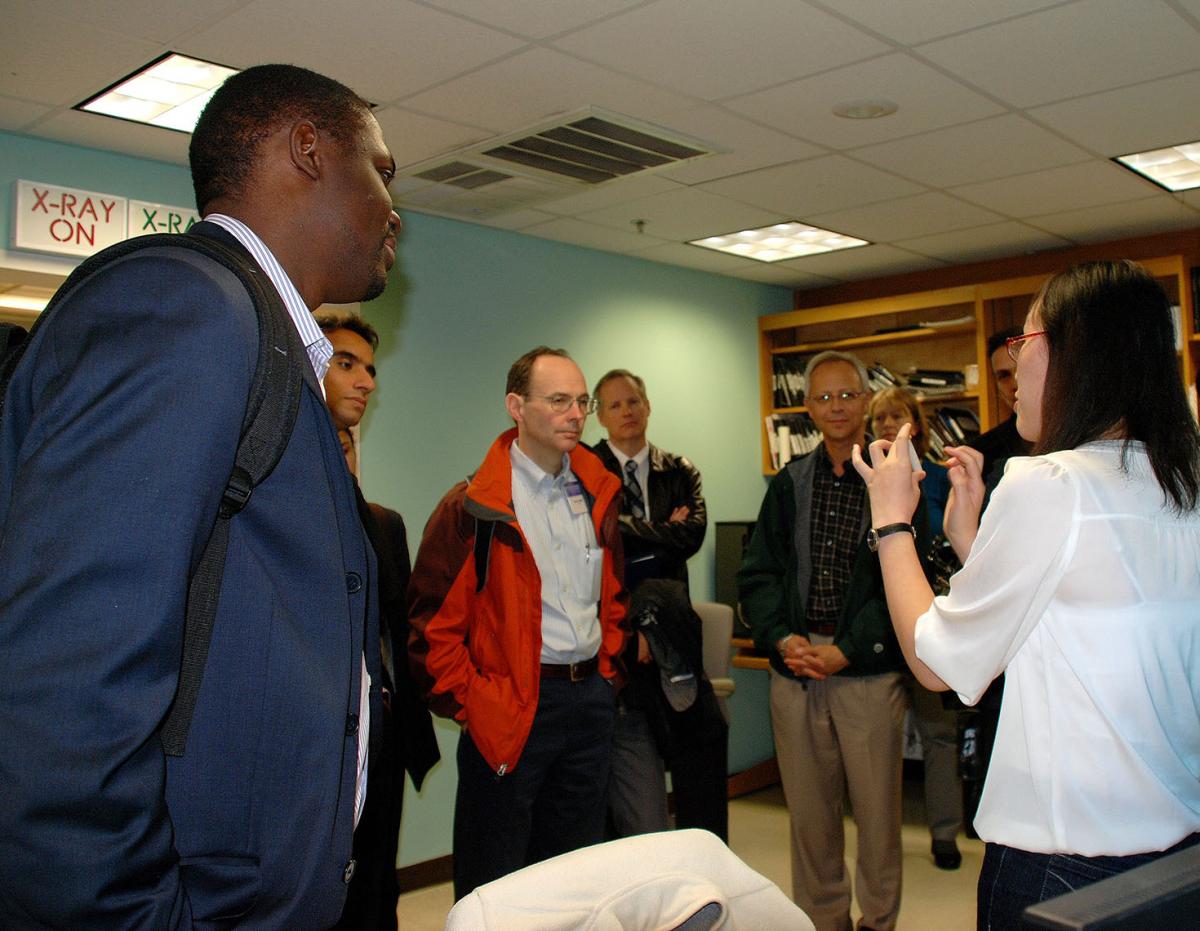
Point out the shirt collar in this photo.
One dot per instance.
(640, 457)
(532, 474)
(318, 346)
(825, 462)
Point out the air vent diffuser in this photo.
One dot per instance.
(542, 163)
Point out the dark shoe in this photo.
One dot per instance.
(946, 855)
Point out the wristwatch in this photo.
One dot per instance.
(874, 535)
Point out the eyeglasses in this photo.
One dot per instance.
(561, 403)
(1014, 343)
(828, 398)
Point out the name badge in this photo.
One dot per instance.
(575, 499)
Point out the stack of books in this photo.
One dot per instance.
(789, 436)
(950, 426)
(935, 382)
(788, 381)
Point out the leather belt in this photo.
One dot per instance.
(576, 672)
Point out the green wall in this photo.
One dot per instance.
(463, 303)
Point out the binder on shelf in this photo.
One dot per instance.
(787, 372)
(937, 378)
(879, 376)
(951, 426)
(789, 436)
(947, 324)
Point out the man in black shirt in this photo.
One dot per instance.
(1002, 442)
(663, 521)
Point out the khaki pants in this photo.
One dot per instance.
(843, 733)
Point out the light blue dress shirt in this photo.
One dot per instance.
(567, 556)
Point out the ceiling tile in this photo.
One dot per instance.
(932, 212)
(814, 186)
(579, 233)
(384, 49)
(535, 18)
(992, 148)
(787, 276)
(1159, 214)
(995, 241)
(1074, 49)
(519, 219)
(692, 257)
(1067, 188)
(716, 50)
(157, 20)
(1132, 119)
(414, 137)
(748, 145)
(610, 193)
(51, 61)
(1192, 7)
(15, 114)
(550, 83)
(687, 213)
(927, 100)
(102, 132)
(864, 262)
(918, 22)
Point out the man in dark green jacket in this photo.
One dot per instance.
(811, 589)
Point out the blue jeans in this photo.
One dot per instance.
(1012, 879)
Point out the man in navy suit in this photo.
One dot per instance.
(118, 436)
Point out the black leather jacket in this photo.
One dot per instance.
(657, 548)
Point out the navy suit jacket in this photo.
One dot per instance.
(117, 439)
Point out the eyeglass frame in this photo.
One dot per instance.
(1013, 343)
(827, 398)
(561, 403)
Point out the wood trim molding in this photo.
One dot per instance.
(426, 873)
(759, 776)
(1018, 266)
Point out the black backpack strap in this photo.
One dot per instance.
(483, 545)
(271, 409)
(270, 417)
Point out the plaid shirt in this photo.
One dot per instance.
(837, 508)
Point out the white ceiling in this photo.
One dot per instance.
(1009, 110)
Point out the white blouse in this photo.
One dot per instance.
(1085, 590)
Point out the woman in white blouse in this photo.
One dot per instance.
(1082, 584)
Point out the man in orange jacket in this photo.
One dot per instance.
(518, 612)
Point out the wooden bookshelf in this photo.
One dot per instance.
(888, 320)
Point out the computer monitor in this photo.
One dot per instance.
(1161, 895)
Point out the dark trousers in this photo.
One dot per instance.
(700, 779)
(373, 892)
(1011, 880)
(551, 802)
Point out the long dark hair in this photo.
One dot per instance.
(1113, 368)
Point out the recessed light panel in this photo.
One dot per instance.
(170, 93)
(1176, 168)
(780, 242)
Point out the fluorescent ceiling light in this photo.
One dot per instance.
(169, 93)
(780, 242)
(1176, 168)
